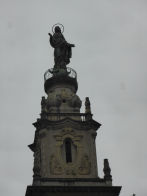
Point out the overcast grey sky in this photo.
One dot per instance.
(110, 58)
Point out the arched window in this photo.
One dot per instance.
(68, 150)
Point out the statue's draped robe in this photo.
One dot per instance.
(62, 50)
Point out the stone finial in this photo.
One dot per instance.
(88, 115)
(43, 105)
(87, 105)
(107, 171)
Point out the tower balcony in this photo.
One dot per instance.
(60, 76)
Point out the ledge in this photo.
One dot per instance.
(70, 190)
(44, 123)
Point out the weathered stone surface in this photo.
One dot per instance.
(53, 161)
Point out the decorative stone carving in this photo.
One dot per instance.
(55, 166)
(70, 171)
(58, 101)
(53, 100)
(69, 168)
(85, 166)
(43, 104)
(75, 102)
(37, 156)
(44, 164)
(64, 94)
(63, 99)
(88, 115)
(43, 108)
(68, 132)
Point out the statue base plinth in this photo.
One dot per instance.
(73, 191)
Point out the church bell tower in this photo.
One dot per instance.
(64, 146)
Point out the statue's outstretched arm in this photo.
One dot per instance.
(51, 39)
(71, 45)
(50, 34)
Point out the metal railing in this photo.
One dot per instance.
(53, 72)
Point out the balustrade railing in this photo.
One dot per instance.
(61, 115)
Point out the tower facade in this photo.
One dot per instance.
(64, 147)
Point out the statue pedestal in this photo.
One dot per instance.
(73, 191)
